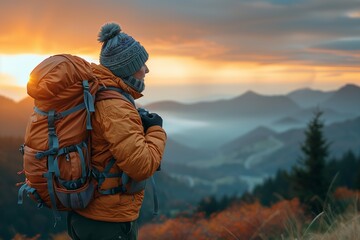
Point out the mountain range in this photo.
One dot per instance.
(344, 99)
(266, 150)
(221, 121)
(338, 105)
(249, 104)
(227, 145)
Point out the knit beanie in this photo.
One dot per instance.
(122, 54)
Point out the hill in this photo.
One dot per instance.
(249, 104)
(266, 151)
(345, 100)
(308, 98)
(14, 116)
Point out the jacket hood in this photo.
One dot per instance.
(108, 79)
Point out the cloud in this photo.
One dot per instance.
(341, 45)
(264, 32)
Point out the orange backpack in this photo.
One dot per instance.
(56, 152)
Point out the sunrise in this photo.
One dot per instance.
(203, 119)
(255, 45)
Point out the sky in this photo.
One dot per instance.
(200, 49)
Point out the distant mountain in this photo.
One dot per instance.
(250, 148)
(14, 116)
(26, 103)
(287, 121)
(338, 105)
(307, 97)
(329, 115)
(167, 105)
(253, 137)
(249, 104)
(271, 151)
(345, 100)
(181, 154)
(342, 136)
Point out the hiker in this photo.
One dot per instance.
(134, 142)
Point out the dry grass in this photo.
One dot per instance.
(340, 220)
(344, 227)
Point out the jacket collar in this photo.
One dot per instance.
(108, 79)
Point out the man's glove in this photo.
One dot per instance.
(150, 119)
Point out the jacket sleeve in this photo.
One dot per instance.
(137, 154)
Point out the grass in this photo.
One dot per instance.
(340, 220)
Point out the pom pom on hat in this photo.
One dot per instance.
(108, 31)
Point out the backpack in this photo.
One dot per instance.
(57, 148)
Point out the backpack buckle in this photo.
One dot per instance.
(22, 149)
(58, 116)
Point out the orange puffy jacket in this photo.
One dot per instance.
(118, 132)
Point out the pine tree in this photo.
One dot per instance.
(310, 184)
(357, 170)
(208, 205)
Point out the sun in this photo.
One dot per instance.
(18, 67)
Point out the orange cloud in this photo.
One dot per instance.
(202, 42)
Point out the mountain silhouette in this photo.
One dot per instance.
(287, 121)
(345, 100)
(252, 137)
(249, 104)
(282, 150)
(14, 116)
(181, 154)
(223, 120)
(307, 97)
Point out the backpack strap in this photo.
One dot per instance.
(101, 176)
(89, 103)
(117, 93)
(155, 199)
(29, 190)
(49, 175)
(113, 93)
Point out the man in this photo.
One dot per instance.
(133, 143)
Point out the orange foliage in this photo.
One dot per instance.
(240, 221)
(343, 193)
(19, 236)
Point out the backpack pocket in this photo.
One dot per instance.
(37, 188)
(34, 168)
(73, 186)
(78, 198)
(71, 179)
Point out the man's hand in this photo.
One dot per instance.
(150, 119)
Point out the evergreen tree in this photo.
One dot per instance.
(347, 170)
(357, 170)
(274, 189)
(208, 205)
(308, 175)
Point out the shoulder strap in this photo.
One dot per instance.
(113, 93)
(117, 93)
